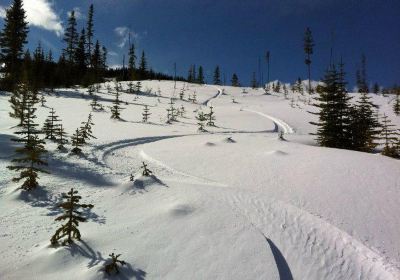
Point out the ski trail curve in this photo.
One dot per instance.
(208, 101)
(287, 129)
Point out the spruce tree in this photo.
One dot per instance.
(210, 117)
(390, 137)
(81, 54)
(112, 266)
(132, 62)
(71, 37)
(200, 77)
(396, 105)
(18, 101)
(146, 113)
(254, 81)
(61, 137)
(77, 142)
(201, 119)
(72, 216)
(90, 33)
(85, 130)
(376, 88)
(190, 77)
(146, 172)
(217, 76)
(143, 66)
(116, 108)
(235, 80)
(13, 37)
(333, 105)
(361, 76)
(51, 125)
(31, 153)
(308, 49)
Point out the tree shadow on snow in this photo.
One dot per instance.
(7, 147)
(282, 265)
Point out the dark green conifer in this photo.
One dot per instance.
(146, 113)
(72, 217)
(217, 76)
(112, 266)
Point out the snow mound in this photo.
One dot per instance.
(277, 152)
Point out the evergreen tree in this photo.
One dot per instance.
(396, 105)
(50, 125)
(12, 40)
(18, 101)
(132, 62)
(201, 118)
(71, 37)
(200, 77)
(190, 77)
(308, 49)
(31, 154)
(361, 76)
(210, 117)
(146, 113)
(89, 34)
(235, 80)
(61, 137)
(96, 62)
(77, 142)
(81, 54)
(116, 108)
(254, 81)
(72, 217)
(376, 88)
(390, 136)
(113, 265)
(217, 76)
(333, 103)
(366, 127)
(143, 66)
(85, 130)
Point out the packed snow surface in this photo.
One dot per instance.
(235, 202)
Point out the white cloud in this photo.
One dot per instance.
(2, 12)
(40, 13)
(123, 33)
(78, 13)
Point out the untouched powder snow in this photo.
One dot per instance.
(234, 202)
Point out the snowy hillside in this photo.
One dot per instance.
(235, 202)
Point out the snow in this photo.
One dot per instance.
(234, 202)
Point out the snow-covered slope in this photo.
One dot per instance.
(232, 203)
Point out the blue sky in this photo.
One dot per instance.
(235, 33)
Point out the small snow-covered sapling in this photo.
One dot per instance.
(146, 172)
(73, 217)
(112, 266)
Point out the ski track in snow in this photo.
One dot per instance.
(287, 129)
(208, 101)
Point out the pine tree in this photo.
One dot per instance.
(71, 37)
(138, 87)
(217, 76)
(72, 217)
(13, 37)
(32, 152)
(254, 81)
(85, 130)
(333, 104)
(77, 142)
(201, 118)
(51, 127)
(81, 54)
(361, 76)
(132, 62)
(365, 125)
(89, 34)
(113, 265)
(190, 77)
(390, 136)
(146, 113)
(376, 88)
(210, 117)
(308, 49)
(116, 108)
(396, 105)
(61, 137)
(200, 77)
(235, 80)
(18, 101)
(143, 66)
